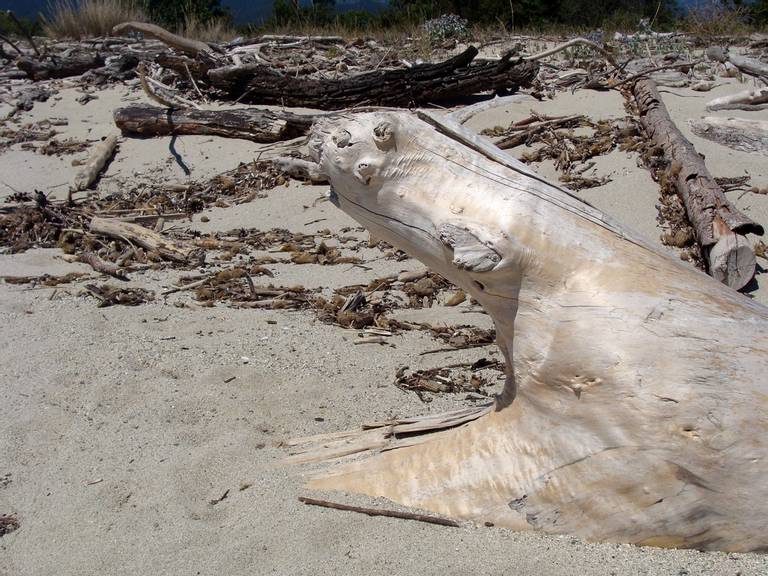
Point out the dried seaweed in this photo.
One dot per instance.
(108, 295)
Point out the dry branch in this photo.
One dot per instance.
(144, 237)
(191, 47)
(245, 123)
(96, 162)
(704, 200)
(379, 512)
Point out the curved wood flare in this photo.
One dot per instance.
(636, 403)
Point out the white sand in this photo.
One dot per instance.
(117, 427)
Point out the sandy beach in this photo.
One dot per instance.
(149, 439)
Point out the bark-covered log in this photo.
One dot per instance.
(60, 67)
(455, 77)
(737, 133)
(704, 200)
(245, 123)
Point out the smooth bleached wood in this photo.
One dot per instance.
(99, 157)
(636, 404)
(751, 99)
(737, 133)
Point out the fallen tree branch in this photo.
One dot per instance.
(710, 212)
(99, 265)
(186, 45)
(244, 123)
(378, 512)
(575, 42)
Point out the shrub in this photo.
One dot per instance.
(88, 18)
(445, 27)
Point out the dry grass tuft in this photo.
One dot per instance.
(214, 30)
(709, 18)
(89, 18)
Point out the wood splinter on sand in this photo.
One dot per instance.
(714, 219)
(99, 157)
(634, 408)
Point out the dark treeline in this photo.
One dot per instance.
(510, 14)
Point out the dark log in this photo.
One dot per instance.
(60, 67)
(424, 83)
(245, 123)
(710, 212)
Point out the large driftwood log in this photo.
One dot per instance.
(747, 65)
(144, 237)
(457, 76)
(635, 403)
(751, 99)
(245, 123)
(737, 133)
(704, 200)
(60, 67)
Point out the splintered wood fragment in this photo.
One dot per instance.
(186, 45)
(380, 512)
(95, 163)
(244, 123)
(144, 237)
(737, 133)
(704, 200)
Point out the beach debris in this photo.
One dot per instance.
(380, 512)
(746, 135)
(243, 123)
(112, 295)
(711, 214)
(752, 99)
(8, 523)
(749, 66)
(145, 238)
(98, 158)
(440, 380)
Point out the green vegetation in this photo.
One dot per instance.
(208, 20)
